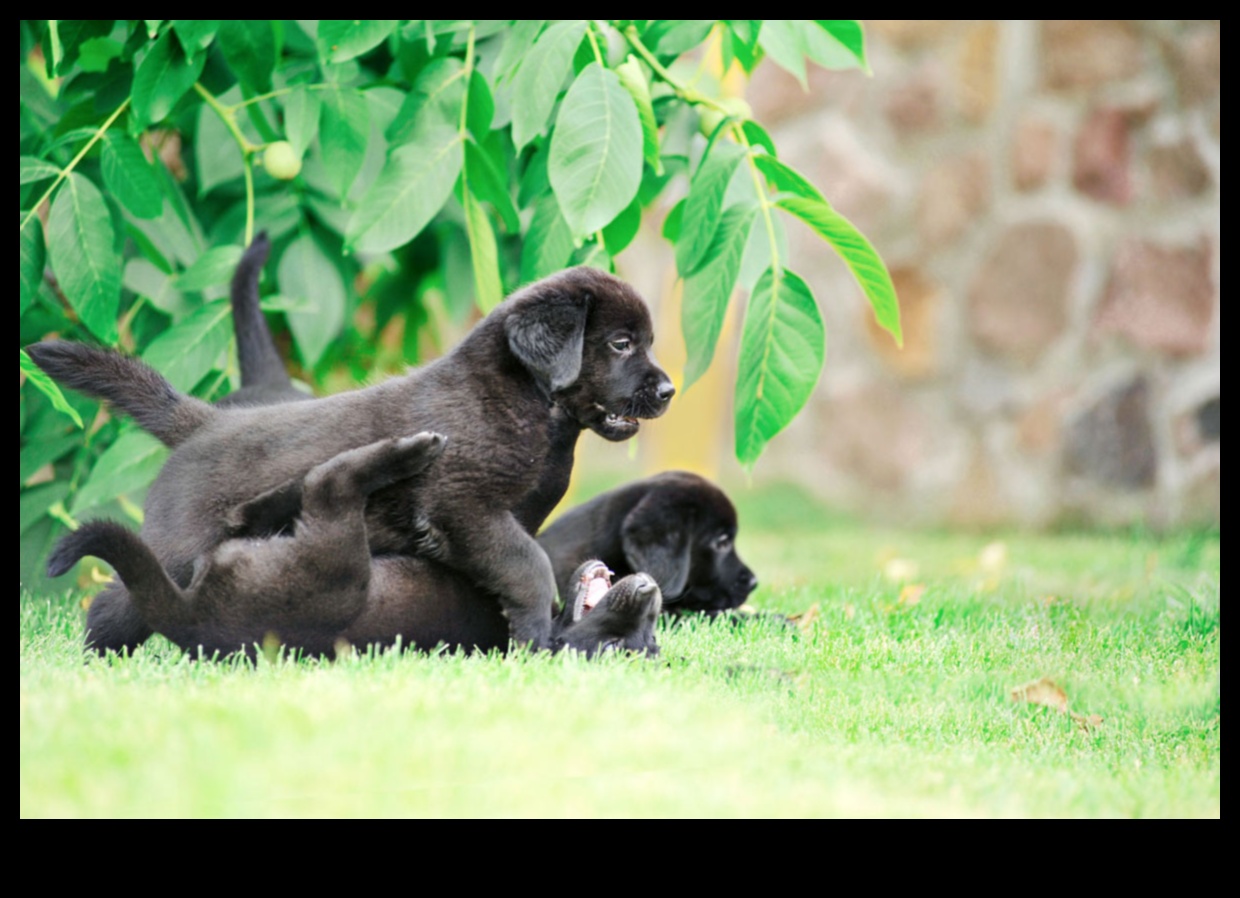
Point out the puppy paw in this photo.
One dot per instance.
(411, 456)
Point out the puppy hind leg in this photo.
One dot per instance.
(348, 478)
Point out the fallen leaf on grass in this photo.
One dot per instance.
(850, 611)
(1086, 721)
(1042, 692)
(85, 603)
(911, 594)
(806, 618)
(900, 569)
(1045, 691)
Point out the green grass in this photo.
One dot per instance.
(873, 707)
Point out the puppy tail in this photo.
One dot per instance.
(158, 599)
(127, 383)
(261, 365)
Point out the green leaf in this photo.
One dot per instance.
(786, 179)
(146, 279)
(129, 464)
(434, 102)
(704, 203)
(414, 183)
(481, 107)
(622, 230)
(188, 350)
(195, 34)
(595, 165)
(675, 218)
(215, 266)
(757, 136)
(33, 170)
(672, 37)
(488, 291)
(249, 47)
(72, 35)
(31, 260)
(162, 78)
(301, 118)
(306, 274)
(858, 254)
(548, 243)
(758, 256)
(45, 385)
(784, 41)
(782, 351)
(128, 175)
(489, 185)
(217, 155)
(42, 451)
(82, 248)
(33, 503)
(538, 80)
(517, 42)
(97, 53)
(634, 81)
(838, 44)
(708, 291)
(341, 39)
(343, 135)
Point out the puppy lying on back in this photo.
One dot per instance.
(316, 586)
(678, 527)
(570, 351)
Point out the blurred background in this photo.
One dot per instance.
(1047, 197)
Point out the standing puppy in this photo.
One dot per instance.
(573, 349)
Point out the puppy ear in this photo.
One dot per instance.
(655, 538)
(546, 332)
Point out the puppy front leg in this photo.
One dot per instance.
(500, 556)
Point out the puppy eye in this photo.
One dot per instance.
(722, 542)
(620, 345)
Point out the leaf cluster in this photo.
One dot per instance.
(427, 167)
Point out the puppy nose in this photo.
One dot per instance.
(665, 391)
(751, 582)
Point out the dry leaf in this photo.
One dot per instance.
(806, 618)
(993, 557)
(343, 649)
(271, 646)
(1086, 722)
(1042, 692)
(85, 603)
(900, 569)
(911, 594)
(850, 611)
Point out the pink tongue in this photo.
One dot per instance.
(595, 590)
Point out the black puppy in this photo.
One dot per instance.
(676, 526)
(572, 350)
(317, 587)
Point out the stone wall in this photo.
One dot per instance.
(1047, 197)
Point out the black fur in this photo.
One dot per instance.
(678, 527)
(500, 400)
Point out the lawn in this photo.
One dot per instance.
(892, 694)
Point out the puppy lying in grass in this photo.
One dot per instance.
(314, 587)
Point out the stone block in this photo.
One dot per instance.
(1177, 171)
(921, 300)
(1083, 54)
(1101, 163)
(1033, 153)
(1018, 299)
(1112, 442)
(977, 71)
(1159, 297)
(953, 195)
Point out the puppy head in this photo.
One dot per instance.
(587, 336)
(599, 617)
(683, 533)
